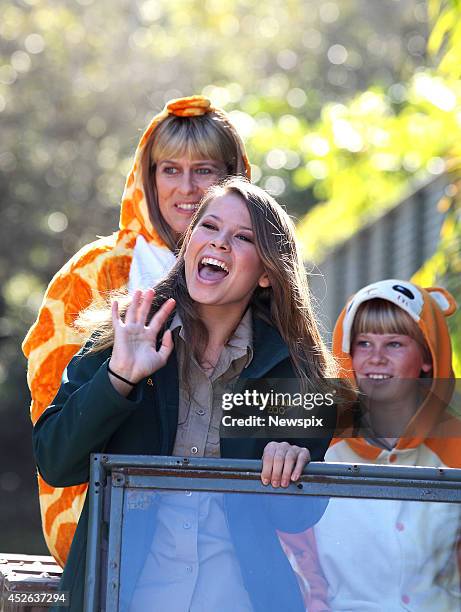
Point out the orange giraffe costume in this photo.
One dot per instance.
(97, 269)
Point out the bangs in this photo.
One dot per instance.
(195, 138)
(382, 317)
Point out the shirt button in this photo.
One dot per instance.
(189, 569)
(186, 525)
(194, 450)
(200, 412)
(400, 526)
(405, 599)
(392, 458)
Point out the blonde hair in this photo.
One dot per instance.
(378, 316)
(209, 136)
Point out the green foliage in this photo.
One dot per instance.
(445, 38)
(444, 267)
(392, 139)
(367, 153)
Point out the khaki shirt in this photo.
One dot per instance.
(192, 544)
(200, 407)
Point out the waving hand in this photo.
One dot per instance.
(135, 354)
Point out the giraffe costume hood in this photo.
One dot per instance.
(135, 256)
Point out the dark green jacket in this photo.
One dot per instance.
(89, 416)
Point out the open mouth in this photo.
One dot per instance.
(378, 376)
(211, 269)
(187, 207)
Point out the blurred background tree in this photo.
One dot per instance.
(341, 105)
(370, 152)
(445, 265)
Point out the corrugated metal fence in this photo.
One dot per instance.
(393, 246)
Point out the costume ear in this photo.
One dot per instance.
(264, 280)
(444, 300)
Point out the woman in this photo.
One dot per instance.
(186, 148)
(242, 303)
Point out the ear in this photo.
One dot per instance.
(426, 367)
(264, 280)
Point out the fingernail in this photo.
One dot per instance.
(285, 483)
(276, 483)
(265, 481)
(294, 476)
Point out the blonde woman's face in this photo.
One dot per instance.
(181, 183)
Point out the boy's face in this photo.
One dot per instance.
(379, 359)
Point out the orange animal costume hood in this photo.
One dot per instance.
(105, 265)
(433, 425)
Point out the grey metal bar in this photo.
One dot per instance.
(93, 566)
(115, 543)
(313, 469)
(415, 490)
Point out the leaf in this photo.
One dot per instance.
(442, 27)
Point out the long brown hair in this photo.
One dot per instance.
(210, 136)
(286, 303)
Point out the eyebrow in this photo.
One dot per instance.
(198, 162)
(250, 229)
(391, 334)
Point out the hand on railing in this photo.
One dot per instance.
(283, 463)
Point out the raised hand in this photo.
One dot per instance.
(134, 355)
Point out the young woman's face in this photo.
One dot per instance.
(181, 183)
(222, 264)
(379, 360)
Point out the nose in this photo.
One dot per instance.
(377, 354)
(220, 242)
(187, 185)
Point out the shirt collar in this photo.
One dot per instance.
(176, 322)
(242, 338)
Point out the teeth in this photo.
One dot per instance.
(215, 262)
(378, 376)
(184, 206)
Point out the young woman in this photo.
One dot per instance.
(187, 148)
(242, 310)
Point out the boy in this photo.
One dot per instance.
(389, 554)
(391, 335)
